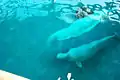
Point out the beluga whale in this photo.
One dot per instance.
(86, 51)
(77, 28)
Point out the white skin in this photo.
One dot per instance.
(85, 51)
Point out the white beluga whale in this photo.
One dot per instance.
(77, 28)
(85, 51)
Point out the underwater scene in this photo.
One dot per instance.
(60, 39)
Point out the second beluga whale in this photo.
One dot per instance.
(85, 51)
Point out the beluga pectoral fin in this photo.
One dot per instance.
(67, 17)
(79, 64)
(117, 35)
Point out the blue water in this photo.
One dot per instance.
(21, 48)
(24, 52)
